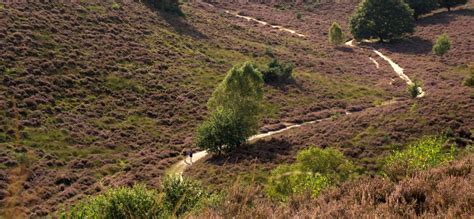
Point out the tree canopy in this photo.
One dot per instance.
(235, 110)
(382, 19)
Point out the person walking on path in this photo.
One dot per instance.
(190, 156)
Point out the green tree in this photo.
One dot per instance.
(442, 45)
(336, 36)
(235, 108)
(451, 3)
(382, 19)
(422, 6)
(171, 6)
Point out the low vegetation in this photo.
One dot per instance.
(421, 155)
(382, 19)
(442, 45)
(469, 80)
(336, 36)
(448, 4)
(235, 110)
(171, 6)
(414, 89)
(314, 170)
(177, 197)
(278, 72)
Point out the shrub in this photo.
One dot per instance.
(383, 19)
(451, 3)
(299, 15)
(314, 170)
(414, 89)
(336, 37)
(469, 81)
(278, 72)
(422, 6)
(236, 108)
(182, 195)
(442, 45)
(135, 202)
(171, 6)
(426, 152)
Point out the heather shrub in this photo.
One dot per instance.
(182, 195)
(336, 36)
(135, 202)
(426, 152)
(442, 45)
(314, 170)
(414, 89)
(278, 72)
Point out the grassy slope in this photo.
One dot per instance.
(103, 91)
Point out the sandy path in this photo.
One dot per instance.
(398, 70)
(179, 167)
(280, 28)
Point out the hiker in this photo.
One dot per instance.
(191, 156)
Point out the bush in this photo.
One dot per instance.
(442, 45)
(299, 15)
(469, 81)
(423, 154)
(278, 72)
(336, 37)
(383, 19)
(171, 6)
(314, 170)
(451, 3)
(414, 89)
(422, 6)
(136, 202)
(235, 110)
(181, 195)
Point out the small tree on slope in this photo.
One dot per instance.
(235, 108)
(451, 3)
(442, 45)
(422, 6)
(383, 19)
(336, 37)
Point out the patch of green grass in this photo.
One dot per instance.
(115, 6)
(96, 8)
(420, 155)
(117, 83)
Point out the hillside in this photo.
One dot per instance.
(100, 95)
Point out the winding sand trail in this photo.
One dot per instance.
(398, 70)
(280, 28)
(179, 167)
